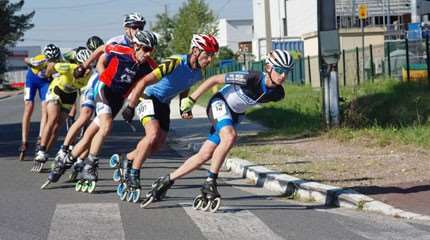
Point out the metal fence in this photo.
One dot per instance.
(399, 59)
(297, 76)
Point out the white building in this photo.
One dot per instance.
(231, 32)
(297, 19)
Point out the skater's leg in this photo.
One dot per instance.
(85, 142)
(195, 161)
(26, 117)
(83, 119)
(152, 138)
(102, 133)
(228, 136)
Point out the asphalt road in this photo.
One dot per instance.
(247, 212)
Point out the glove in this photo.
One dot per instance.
(128, 113)
(79, 72)
(187, 104)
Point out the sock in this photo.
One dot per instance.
(211, 176)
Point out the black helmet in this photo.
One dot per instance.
(51, 52)
(82, 55)
(94, 42)
(134, 20)
(145, 38)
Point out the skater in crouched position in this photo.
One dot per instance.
(225, 110)
(62, 94)
(125, 67)
(175, 76)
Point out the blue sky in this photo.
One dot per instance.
(69, 23)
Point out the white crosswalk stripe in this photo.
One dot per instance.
(87, 221)
(231, 225)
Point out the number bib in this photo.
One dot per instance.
(219, 110)
(145, 108)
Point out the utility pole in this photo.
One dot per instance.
(268, 26)
(329, 51)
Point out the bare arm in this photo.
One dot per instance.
(94, 56)
(140, 86)
(101, 63)
(50, 69)
(206, 85)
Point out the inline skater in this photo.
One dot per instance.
(225, 110)
(61, 96)
(173, 77)
(37, 81)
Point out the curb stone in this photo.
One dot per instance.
(290, 186)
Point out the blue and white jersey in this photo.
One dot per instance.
(175, 76)
(120, 39)
(247, 88)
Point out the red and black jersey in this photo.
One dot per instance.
(123, 70)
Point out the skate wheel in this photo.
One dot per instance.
(123, 196)
(205, 205)
(114, 161)
(91, 187)
(84, 186)
(116, 175)
(197, 203)
(215, 204)
(146, 202)
(129, 196)
(135, 196)
(120, 189)
(78, 186)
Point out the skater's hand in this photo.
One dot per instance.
(187, 115)
(79, 72)
(187, 104)
(128, 113)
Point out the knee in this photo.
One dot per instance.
(229, 138)
(151, 139)
(105, 129)
(205, 155)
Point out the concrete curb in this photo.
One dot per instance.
(11, 95)
(310, 191)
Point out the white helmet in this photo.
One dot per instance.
(134, 20)
(82, 55)
(280, 58)
(145, 38)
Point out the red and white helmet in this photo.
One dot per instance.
(205, 42)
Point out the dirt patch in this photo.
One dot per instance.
(343, 164)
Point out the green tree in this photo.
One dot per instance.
(12, 27)
(193, 17)
(225, 53)
(164, 27)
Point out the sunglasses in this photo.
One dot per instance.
(145, 49)
(281, 70)
(136, 28)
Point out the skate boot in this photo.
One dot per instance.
(88, 176)
(209, 199)
(39, 161)
(76, 169)
(158, 191)
(37, 147)
(22, 149)
(130, 190)
(60, 165)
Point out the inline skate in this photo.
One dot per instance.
(158, 191)
(209, 199)
(88, 176)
